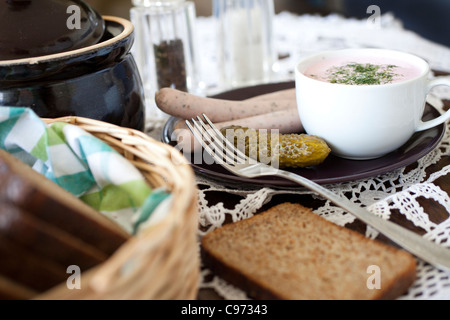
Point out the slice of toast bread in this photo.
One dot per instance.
(46, 240)
(37, 195)
(10, 290)
(288, 252)
(28, 268)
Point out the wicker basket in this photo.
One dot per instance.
(161, 262)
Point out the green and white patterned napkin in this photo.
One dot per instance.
(83, 165)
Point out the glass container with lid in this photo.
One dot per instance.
(246, 55)
(164, 48)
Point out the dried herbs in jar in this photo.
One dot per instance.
(171, 64)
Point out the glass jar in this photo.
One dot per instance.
(245, 41)
(164, 47)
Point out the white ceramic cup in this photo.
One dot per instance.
(365, 121)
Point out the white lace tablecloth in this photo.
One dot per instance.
(298, 36)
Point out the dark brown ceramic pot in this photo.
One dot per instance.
(100, 81)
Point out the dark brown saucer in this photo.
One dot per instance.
(334, 169)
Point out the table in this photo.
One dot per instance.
(416, 196)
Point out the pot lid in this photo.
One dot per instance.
(33, 28)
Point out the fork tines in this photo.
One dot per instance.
(214, 142)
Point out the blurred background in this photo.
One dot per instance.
(428, 18)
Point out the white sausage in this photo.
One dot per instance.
(286, 121)
(286, 94)
(186, 106)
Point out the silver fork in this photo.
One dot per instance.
(232, 159)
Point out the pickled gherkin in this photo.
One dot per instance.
(280, 150)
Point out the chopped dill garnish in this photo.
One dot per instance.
(362, 74)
